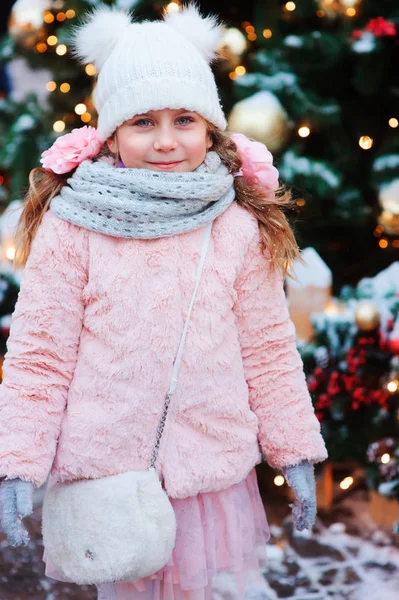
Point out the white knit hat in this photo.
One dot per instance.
(151, 65)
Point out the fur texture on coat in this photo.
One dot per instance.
(90, 354)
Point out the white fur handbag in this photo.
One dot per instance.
(121, 527)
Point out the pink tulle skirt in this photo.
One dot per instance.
(220, 543)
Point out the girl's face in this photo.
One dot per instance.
(162, 140)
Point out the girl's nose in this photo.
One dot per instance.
(165, 140)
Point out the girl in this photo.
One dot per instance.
(110, 236)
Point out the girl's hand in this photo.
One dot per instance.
(15, 504)
(301, 479)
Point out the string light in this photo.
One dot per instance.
(252, 37)
(80, 108)
(172, 7)
(346, 483)
(52, 40)
(250, 29)
(61, 16)
(10, 252)
(279, 480)
(392, 386)
(41, 47)
(61, 50)
(320, 13)
(290, 6)
(90, 69)
(86, 117)
(304, 131)
(240, 70)
(267, 33)
(301, 202)
(385, 458)
(233, 75)
(378, 231)
(48, 17)
(65, 87)
(393, 122)
(351, 12)
(366, 142)
(383, 243)
(70, 13)
(51, 86)
(59, 126)
(395, 243)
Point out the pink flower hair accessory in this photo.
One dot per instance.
(69, 150)
(257, 163)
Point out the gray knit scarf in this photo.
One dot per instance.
(140, 203)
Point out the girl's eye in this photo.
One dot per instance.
(141, 121)
(188, 119)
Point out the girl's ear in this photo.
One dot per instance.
(112, 145)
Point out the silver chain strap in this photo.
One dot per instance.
(176, 363)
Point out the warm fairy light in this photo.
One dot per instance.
(70, 13)
(80, 108)
(65, 87)
(245, 24)
(61, 16)
(250, 29)
(393, 122)
(48, 17)
(51, 86)
(233, 75)
(351, 12)
(383, 243)
(90, 69)
(172, 7)
(240, 70)
(304, 131)
(61, 50)
(346, 483)
(320, 13)
(378, 231)
(385, 458)
(392, 386)
(267, 33)
(86, 117)
(41, 47)
(59, 126)
(252, 37)
(290, 6)
(52, 40)
(395, 243)
(279, 480)
(10, 252)
(366, 142)
(301, 202)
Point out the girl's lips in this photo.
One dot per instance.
(169, 165)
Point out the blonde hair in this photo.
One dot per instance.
(277, 238)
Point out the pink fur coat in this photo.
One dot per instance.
(92, 340)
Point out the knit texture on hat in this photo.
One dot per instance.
(151, 65)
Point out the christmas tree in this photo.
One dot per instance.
(318, 85)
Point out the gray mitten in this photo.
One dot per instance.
(301, 479)
(15, 503)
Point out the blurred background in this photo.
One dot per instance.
(317, 81)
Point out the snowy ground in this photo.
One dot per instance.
(346, 557)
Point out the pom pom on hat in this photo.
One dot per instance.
(203, 32)
(95, 38)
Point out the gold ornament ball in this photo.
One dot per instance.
(26, 21)
(231, 47)
(367, 316)
(261, 117)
